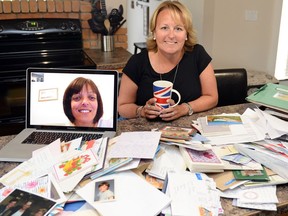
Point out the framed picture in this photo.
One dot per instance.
(48, 94)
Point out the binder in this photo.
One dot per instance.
(271, 95)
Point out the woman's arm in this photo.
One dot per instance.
(209, 98)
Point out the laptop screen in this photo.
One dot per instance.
(74, 99)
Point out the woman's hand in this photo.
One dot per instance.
(170, 113)
(173, 113)
(150, 111)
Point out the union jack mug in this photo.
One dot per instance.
(162, 91)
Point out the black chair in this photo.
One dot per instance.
(232, 86)
(140, 45)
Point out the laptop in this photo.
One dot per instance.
(45, 113)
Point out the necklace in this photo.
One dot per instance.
(174, 74)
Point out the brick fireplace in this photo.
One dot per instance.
(60, 9)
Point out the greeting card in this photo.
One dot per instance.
(76, 164)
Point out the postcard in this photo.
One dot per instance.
(223, 119)
(173, 132)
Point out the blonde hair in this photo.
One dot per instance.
(181, 14)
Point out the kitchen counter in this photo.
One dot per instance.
(257, 79)
(115, 60)
(142, 124)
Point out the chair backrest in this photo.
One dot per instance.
(232, 86)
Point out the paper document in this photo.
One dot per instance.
(193, 194)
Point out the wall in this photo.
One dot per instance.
(17, 9)
(225, 32)
(234, 41)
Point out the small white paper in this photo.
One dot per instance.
(266, 194)
(260, 206)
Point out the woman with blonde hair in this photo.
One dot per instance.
(172, 54)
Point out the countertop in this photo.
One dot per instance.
(144, 125)
(256, 78)
(114, 60)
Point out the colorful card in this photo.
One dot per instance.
(223, 119)
(76, 164)
(204, 156)
(177, 132)
(254, 175)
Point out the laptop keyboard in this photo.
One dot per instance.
(49, 137)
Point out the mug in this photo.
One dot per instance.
(162, 91)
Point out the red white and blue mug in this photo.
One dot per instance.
(162, 91)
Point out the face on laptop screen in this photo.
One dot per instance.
(71, 98)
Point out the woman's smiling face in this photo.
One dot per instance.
(84, 106)
(170, 33)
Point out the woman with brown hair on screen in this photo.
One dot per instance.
(82, 103)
